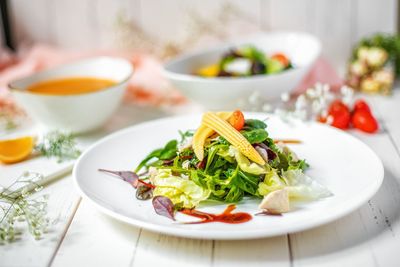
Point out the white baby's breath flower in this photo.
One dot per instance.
(310, 93)
(285, 97)
(317, 105)
(325, 89)
(301, 102)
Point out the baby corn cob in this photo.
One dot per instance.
(233, 136)
(202, 133)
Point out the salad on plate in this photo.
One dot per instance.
(228, 158)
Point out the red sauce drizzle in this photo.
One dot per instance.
(225, 217)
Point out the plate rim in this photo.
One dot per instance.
(215, 234)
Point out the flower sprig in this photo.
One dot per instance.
(18, 205)
(311, 104)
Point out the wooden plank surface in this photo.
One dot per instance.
(62, 204)
(94, 239)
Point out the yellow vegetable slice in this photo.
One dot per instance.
(233, 136)
(209, 71)
(202, 133)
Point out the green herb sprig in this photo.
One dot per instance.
(59, 145)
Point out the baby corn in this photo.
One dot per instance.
(202, 133)
(211, 120)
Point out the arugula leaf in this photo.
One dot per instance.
(248, 182)
(168, 152)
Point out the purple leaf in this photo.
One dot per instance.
(271, 154)
(163, 206)
(127, 176)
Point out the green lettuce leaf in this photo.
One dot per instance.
(304, 187)
(182, 192)
(272, 182)
(298, 184)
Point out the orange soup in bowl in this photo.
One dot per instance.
(70, 85)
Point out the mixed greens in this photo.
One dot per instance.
(246, 61)
(227, 159)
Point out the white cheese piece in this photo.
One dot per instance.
(239, 66)
(276, 202)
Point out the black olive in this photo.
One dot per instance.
(258, 68)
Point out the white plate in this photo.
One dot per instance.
(345, 165)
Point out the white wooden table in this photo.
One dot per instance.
(370, 236)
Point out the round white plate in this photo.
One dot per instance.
(345, 165)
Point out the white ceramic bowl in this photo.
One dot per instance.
(77, 113)
(225, 92)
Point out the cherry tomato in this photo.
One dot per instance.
(338, 106)
(361, 105)
(364, 121)
(340, 114)
(341, 121)
(237, 120)
(281, 58)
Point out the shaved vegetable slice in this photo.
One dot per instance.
(202, 133)
(233, 136)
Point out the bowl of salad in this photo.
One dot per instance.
(269, 64)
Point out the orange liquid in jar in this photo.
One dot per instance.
(71, 86)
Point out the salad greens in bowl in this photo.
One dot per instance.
(269, 64)
(246, 61)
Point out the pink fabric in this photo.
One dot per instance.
(321, 72)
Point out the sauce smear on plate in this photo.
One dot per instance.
(226, 217)
(71, 86)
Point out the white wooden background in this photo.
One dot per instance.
(91, 23)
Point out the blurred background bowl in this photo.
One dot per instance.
(76, 113)
(224, 92)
